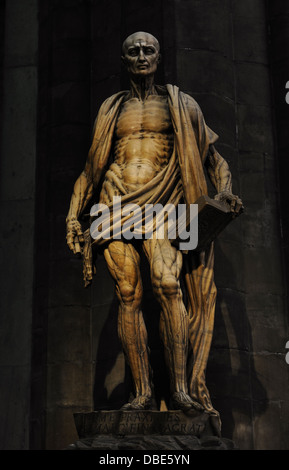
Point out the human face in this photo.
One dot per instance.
(141, 54)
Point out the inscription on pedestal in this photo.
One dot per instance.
(140, 422)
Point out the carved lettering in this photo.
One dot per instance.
(287, 94)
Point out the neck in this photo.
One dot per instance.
(142, 87)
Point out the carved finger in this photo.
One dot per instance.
(71, 246)
(232, 203)
(80, 234)
(76, 245)
(239, 206)
(70, 241)
(77, 248)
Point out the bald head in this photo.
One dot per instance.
(140, 36)
(140, 54)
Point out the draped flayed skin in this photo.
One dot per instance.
(165, 188)
(184, 178)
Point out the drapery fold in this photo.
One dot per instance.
(165, 188)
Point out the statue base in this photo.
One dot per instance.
(146, 430)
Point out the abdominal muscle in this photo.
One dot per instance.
(142, 156)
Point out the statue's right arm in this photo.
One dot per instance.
(82, 193)
(85, 183)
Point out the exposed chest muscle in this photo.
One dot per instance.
(136, 116)
(144, 138)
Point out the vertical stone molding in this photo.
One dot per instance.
(17, 200)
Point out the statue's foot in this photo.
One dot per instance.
(182, 401)
(143, 402)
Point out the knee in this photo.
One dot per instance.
(129, 294)
(168, 286)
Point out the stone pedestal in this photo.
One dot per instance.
(146, 430)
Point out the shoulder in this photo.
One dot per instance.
(187, 100)
(161, 90)
(112, 100)
(190, 103)
(108, 109)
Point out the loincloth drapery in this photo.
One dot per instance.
(164, 189)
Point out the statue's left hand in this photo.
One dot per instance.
(233, 201)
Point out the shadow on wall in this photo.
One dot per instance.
(231, 373)
(112, 377)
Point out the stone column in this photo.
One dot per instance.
(62, 365)
(278, 17)
(17, 199)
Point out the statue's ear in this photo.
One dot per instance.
(123, 59)
(159, 58)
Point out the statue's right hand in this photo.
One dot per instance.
(74, 235)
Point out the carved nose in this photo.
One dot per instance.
(141, 56)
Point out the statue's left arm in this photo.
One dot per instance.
(221, 178)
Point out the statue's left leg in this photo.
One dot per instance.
(165, 265)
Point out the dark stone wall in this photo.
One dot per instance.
(17, 205)
(221, 53)
(2, 41)
(61, 375)
(278, 13)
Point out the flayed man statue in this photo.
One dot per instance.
(151, 145)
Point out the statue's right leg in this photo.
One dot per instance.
(123, 262)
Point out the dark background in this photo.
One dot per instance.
(59, 351)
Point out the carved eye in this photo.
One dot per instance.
(149, 50)
(133, 52)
